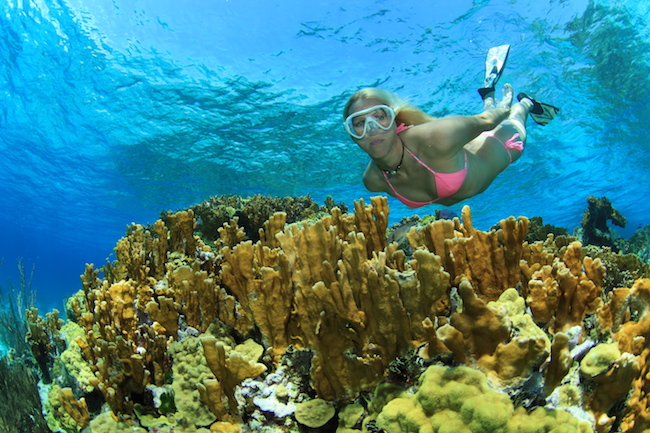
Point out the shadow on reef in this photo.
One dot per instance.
(253, 212)
(330, 325)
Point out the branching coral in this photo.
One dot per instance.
(634, 336)
(325, 294)
(564, 292)
(637, 416)
(44, 339)
(489, 260)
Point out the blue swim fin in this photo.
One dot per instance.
(541, 112)
(495, 62)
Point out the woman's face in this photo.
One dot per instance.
(378, 134)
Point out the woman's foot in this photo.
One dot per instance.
(541, 112)
(490, 102)
(508, 96)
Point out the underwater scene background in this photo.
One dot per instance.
(113, 112)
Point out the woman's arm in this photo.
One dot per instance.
(445, 137)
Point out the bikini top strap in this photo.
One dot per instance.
(401, 128)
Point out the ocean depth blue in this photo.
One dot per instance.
(112, 111)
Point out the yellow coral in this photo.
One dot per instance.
(77, 409)
(230, 369)
(559, 364)
(528, 347)
(599, 359)
(489, 260)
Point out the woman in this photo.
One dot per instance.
(421, 160)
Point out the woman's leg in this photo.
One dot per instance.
(514, 124)
(490, 101)
(504, 144)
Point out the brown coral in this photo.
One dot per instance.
(481, 326)
(633, 336)
(563, 292)
(489, 260)
(637, 416)
(229, 370)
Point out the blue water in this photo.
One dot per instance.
(114, 110)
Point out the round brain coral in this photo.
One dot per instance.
(459, 400)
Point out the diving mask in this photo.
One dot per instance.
(379, 116)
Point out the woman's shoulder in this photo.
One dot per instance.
(373, 179)
(435, 139)
(422, 137)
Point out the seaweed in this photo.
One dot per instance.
(20, 410)
(15, 303)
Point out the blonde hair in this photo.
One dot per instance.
(404, 112)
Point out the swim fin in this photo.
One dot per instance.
(495, 62)
(541, 113)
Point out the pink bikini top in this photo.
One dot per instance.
(447, 184)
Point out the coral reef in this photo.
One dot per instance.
(245, 333)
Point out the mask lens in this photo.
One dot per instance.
(357, 124)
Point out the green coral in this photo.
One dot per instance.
(190, 368)
(460, 400)
(314, 413)
(349, 417)
(599, 359)
(104, 423)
